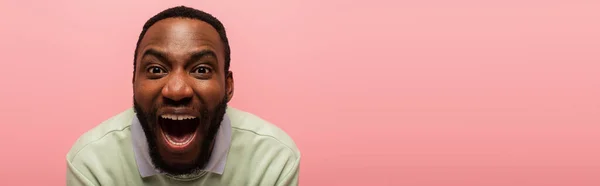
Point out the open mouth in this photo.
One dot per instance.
(178, 130)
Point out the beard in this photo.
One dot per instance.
(210, 123)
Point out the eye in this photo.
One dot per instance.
(201, 70)
(156, 70)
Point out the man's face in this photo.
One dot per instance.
(180, 92)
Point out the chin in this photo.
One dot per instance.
(179, 155)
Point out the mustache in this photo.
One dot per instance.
(185, 103)
(153, 110)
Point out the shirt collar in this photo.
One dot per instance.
(216, 163)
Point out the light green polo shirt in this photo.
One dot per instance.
(259, 153)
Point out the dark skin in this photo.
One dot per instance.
(180, 70)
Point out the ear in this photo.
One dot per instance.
(133, 75)
(230, 86)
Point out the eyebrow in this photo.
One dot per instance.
(153, 52)
(195, 56)
(200, 54)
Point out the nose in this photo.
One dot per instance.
(177, 88)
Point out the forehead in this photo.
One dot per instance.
(180, 35)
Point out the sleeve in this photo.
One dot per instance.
(291, 177)
(75, 178)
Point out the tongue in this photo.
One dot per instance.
(179, 131)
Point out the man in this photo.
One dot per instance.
(180, 130)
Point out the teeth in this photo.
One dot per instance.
(182, 143)
(177, 117)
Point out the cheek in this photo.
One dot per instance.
(210, 92)
(145, 92)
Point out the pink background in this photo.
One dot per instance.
(416, 93)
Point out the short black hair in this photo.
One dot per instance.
(187, 12)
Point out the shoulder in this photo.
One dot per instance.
(106, 134)
(268, 155)
(248, 125)
(102, 153)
